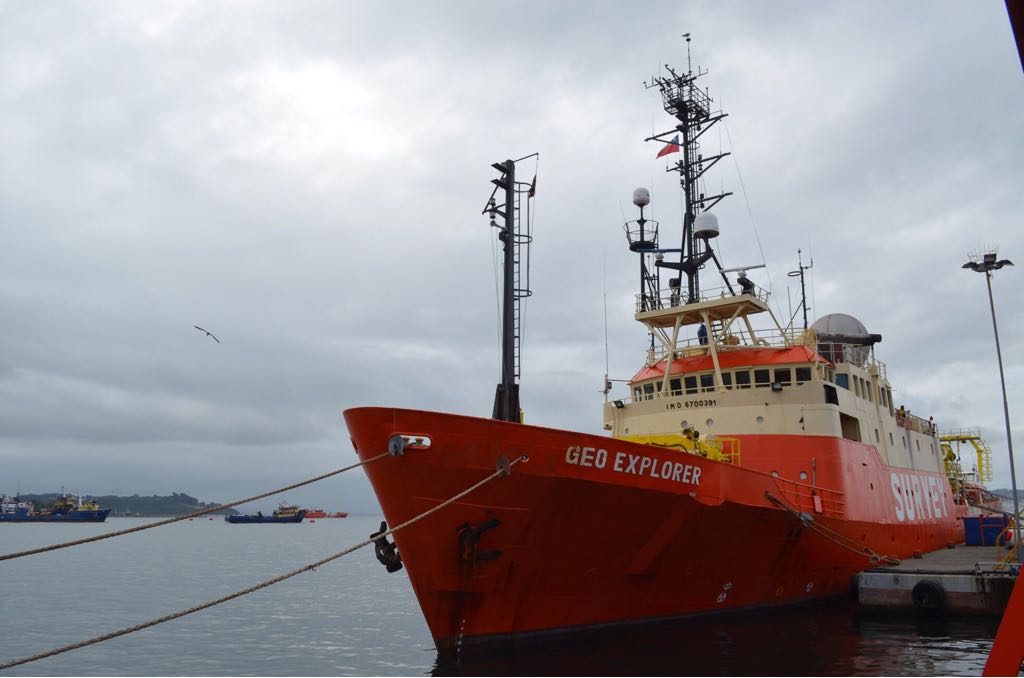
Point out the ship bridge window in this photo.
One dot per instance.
(803, 374)
(762, 378)
(677, 386)
(727, 380)
(691, 384)
(843, 380)
(637, 393)
(648, 391)
(742, 378)
(707, 382)
(784, 376)
(856, 385)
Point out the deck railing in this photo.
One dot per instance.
(811, 499)
(670, 297)
(740, 340)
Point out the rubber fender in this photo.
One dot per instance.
(928, 596)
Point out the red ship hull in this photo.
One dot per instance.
(597, 531)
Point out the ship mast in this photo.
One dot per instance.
(516, 282)
(691, 106)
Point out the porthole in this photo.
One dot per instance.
(710, 423)
(803, 475)
(684, 424)
(760, 420)
(775, 474)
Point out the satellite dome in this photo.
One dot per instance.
(641, 197)
(705, 225)
(839, 323)
(842, 337)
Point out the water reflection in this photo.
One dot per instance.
(827, 640)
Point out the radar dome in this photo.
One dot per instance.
(705, 225)
(641, 197)
(839, 323)
(842, 337)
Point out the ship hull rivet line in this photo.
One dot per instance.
(176, 519)
(262, 585)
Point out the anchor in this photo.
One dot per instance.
(469, 539)
(386, 551)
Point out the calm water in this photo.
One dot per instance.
(352, 618)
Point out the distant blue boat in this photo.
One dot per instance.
(284, 514)
(65, 508)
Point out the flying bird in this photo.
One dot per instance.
(208, 333)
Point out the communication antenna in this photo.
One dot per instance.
(803, 290)
(694, 113)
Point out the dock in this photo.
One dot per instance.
(959, 580)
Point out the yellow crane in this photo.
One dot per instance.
(951, 458)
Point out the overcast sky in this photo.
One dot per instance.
(305, 180)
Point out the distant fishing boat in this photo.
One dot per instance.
(66, 508)
(283, 514)
(316, 513)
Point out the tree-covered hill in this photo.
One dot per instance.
(175, 504)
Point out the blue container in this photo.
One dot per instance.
(984, 530)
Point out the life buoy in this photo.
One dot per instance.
(928, 596)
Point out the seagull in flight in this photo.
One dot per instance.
(208, 333)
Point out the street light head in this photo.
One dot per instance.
(984, 261)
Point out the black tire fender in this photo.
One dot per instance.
(929, 596)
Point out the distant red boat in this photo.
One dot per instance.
(320, 513)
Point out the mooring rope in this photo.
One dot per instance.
(503, 470)
(873, 556)
(148, 526)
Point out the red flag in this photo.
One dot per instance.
(670, 147)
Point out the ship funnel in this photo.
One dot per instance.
(705, 226)
(641, 197)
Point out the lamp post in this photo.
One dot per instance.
(987, 263)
